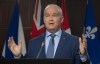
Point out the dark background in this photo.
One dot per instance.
(76, 12)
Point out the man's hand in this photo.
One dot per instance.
(83, 45)
(15, 49)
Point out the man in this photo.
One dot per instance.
(54, 43)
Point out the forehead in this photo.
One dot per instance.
(51, 10)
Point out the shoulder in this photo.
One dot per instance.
(69, 35)
(37, 39)
(71, 39)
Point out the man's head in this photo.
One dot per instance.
(53, 17)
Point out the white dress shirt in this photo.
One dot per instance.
(56, 40)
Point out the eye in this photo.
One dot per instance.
(46, 15)
(55, 15)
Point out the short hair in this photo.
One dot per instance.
(56, 6)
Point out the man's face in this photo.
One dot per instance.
(52, 19)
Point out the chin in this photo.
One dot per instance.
(52, 30)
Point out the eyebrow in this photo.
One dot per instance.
(53, 13)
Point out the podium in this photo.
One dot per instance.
(35, 61)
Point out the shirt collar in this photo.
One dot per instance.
(58, 33)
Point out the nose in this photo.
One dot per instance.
(50, 18)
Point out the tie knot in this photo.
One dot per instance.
(52, 35)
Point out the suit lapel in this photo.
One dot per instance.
(61, 44)
(42, 53)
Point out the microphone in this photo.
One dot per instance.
(40, 50)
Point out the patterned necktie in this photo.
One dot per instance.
(50, 50)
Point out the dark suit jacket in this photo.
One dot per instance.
(68, 48)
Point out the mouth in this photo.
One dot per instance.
(51, 23)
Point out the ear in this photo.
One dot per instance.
(43, 19)
(62, 19)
